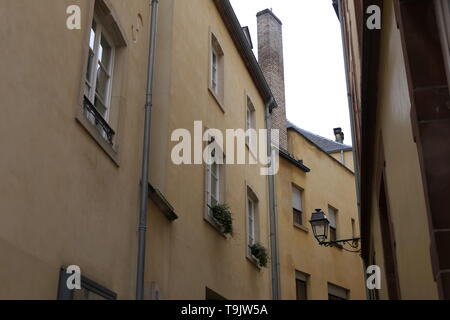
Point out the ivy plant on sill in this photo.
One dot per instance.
(260, 254)
(222, 216)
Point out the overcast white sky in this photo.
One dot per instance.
(316, 94)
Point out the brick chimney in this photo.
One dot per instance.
(270, 56)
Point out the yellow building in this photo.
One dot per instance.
(315, 172)
(397, 66)
(72, 129)
(308, 269)
(71, 175)
(68, 191)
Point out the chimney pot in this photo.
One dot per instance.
(339, 134)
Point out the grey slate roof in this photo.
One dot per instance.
(327, 145)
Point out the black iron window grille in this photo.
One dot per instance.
(97, 119)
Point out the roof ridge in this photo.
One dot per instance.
(304, 131)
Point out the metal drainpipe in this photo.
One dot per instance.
(143, 210)
(275, 263)
(350, 103)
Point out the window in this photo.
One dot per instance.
(337, 293)
(90, 290)
(213, 184)
(297, 205)
(102, 89)
(215, 71)
(301, 285)
(252, 219)
(250, 125)
(216, 84)
(332, 217)
(214, 177)
(443, 19)
(99, 77)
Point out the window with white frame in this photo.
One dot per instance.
(216, 69)
(297, 205)
(252, 218)
(213, 184)
(443, 19)
(99, 77)
(251, 221)
(214, 178)
(332, 217)
(100, 69)
(250, 125)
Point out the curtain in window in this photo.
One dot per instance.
(296, 199)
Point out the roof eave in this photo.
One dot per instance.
(369, 102)
(299, 164)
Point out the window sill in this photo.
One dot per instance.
(300, 227)
(93, 132)
(214, 225)
(216, 99)
(253, 261)
(162, 203)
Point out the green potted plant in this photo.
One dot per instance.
(260, 254)
(222, 216)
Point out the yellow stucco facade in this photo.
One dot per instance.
(329, 183)
(346, 158)
(188, 255)
(63, 200)
(81, 205)
(67, 197)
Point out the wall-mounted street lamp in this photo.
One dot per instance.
(320, 226)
